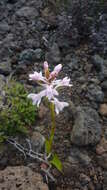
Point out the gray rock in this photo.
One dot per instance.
(82, 80)
(21, 69)
(103, 75)
(4, 28)
(3, 2)
(12, 1)
(30, 55)
(99, 37)
(105, 180)
(37, 141)
(78, 156)
(84, 179)
(38, 54)
(95, 93)
(105, 72)
(104, 85)
(65, 29)
(5, 67)
(53, 55)
(102, 160)
(75, 161)
(21, 178)
(27, 12)
(86, 129)
(31, 43)
(98, 62)
(74, 63)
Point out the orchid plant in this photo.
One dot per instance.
(50, 85)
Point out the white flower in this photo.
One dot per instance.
(36, 98)
(64, 82)
(50, 85)
(51, 92)
(36, 76)
(59, 106)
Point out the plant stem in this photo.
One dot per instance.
(52, 108)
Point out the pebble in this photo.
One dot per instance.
(103, 109)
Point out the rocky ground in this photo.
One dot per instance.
(73, 33)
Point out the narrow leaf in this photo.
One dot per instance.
(47, 146)
(56, 162)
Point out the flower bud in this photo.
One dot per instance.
(45, 65)
(58, 68)
(46, 69)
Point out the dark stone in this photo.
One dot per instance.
(98, 62)
(27, 12)
(79, 156)
(105, 180)
(5, 67)
(86, 129)
(99, 34)
(74, 63)
(12, 1)
(104, 85)
(4, 28)
(102, 160)
(37, 141)
(53, 55)
(95, 93)
(29, 56)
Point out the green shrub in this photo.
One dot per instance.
(19, 113)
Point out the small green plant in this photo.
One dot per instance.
(18, 114)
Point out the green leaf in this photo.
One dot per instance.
(47, 146)
(56, 162)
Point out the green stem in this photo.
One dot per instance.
(52, 108)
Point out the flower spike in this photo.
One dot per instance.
(50, 85)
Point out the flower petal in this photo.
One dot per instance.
(59, 106)
(64, 82)
(36, 76)
(51, 92)
(36, 98)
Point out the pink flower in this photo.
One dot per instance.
(50, 85)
